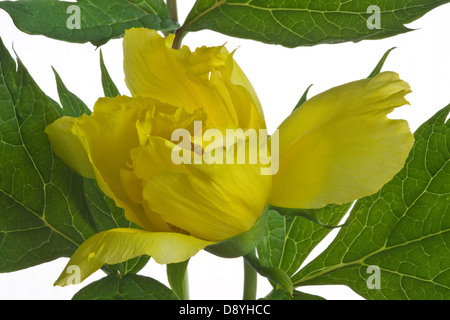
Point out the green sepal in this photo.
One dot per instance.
(275, 274)
(71, 104)
(109, 88)
(380, 64)
(243, 243)
(310, 214)
(303, 98)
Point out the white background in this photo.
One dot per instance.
(279, 75)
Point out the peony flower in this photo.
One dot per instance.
(335, 148)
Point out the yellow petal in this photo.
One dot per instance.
(68, 147)
(239, 79)
(153, 157)
(340, 146)
(108, 136)
(147, 160)
(118, 245)
(207, 79)
(209, 201)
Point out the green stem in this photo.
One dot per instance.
(179, 35)
(173, 11)
(250, 282)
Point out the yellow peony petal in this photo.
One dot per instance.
(153, 157)
(68, 147)
(340, 146)
(207, 79)
(108, 135)
(147, 160)
(118, 245)
(209, 201)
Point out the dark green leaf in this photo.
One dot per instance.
(109, 88)
(104, 212)
(397, 242)
(305, 23)
(43, 211)
(128, 287)
(95, 21)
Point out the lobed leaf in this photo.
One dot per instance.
(44, 214)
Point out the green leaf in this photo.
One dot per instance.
(380, 64)
(128, 287)
(43, 211)
(397, 243)
(243, 243)
(95, 21)
(289, 239)
(176, 273)
(109, 88)
(305, 23)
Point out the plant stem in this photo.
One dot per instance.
(250, 282)
(172, 5)
(179, 35)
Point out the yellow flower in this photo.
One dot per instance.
(337, 147)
